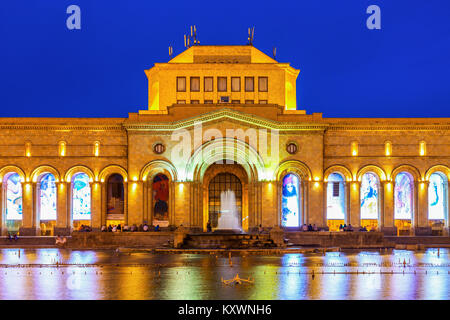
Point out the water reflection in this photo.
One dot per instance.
(106, 274)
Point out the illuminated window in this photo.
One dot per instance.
(262, 101)
(195, 101)
(369, 196)
(13, 202)
(47, 197)
(209, 84)
(354, 148)
(388, 148)
(222, 187)
(403, 196)
(96, 148)
(437, 196)
(335, 197)
(423, 148)
(28, 149)
(160, 187)
(221, 84)
(249, 101)
(263, 84)
(249, 84)
(195, 84)
(208, 101)
(181, 101)
(81, 200)
(62, 149)
(235, 84)
(290, 205)
(236, 101)
(181, 84)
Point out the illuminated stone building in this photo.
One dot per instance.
(235, 108)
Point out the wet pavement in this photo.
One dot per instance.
(107, 274)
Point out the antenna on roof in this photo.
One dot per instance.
(192, 38)
(251, 35)
(170, 52)
(274, 52)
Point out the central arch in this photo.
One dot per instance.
(217, 179)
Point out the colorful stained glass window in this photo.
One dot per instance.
(81, 197)
(47, 196)
(437, 197)
(160, 200)
(13, 197)
(290, 216)
(403, 195)
(369, 196)
(335, 197)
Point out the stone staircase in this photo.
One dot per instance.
(227, 241)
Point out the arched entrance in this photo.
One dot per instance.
(115, 210)
(218, 179)
(222, 185)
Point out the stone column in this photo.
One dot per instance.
(96, 206)
(355, 204)
(29, 214)
(135, 210)
(3, 211)
(388, 208)
(347, 188)
(421, 215)
(315, 204)
(63, 225)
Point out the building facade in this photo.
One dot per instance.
(219, 119)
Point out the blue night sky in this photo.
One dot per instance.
(347, 70)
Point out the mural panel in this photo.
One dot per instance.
(290, 201)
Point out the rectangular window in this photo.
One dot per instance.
(181, 101)
(235, 101)
(263, 84)
(195, 84)
(235, 84)
(262, 101)
(249, 84)
(224, 99)
(208, 101)
(222, 84)
(195, 101)
(336, 189)
(181, 84)
(249, 101)
(208, 82)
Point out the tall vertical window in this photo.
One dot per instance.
(388, 148)
(209, 84)
(263, 84)
(181, 84)
(403, 196)
(195, 84)
(28, 149)
(47, 197)
(369, 196)
(13, 202)
(290, 206)
(222, 84)
(249, 84)
(437, 196)
(81, 199)
(235, 84)
(423, 148)
(354, 148)
(335, 197)
(62, 148)
(115, 197)
(96, 148)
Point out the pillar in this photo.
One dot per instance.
(421, 216)
(269, 208)
(96, 206)
(135, 202)
(29, 216)
(355, 204)
(315, 204)
(387, 219)
(63, 218)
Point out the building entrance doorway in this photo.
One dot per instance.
(224, 193)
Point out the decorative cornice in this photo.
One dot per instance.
(225, 114)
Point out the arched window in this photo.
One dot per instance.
(62, 148)
(403, 202)
(160, 188)
(115, 200)
(81, 200)
(13, 202)
(96, 148)
(335, 201)
(437, 198)
(388, 148)
(423, 148)
(369, 198)
(354, 148)
(290, 204)
(47, 203)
